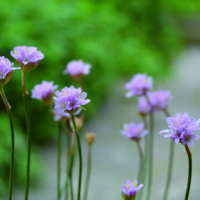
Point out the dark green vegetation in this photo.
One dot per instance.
(115, 37)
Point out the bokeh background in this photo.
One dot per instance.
(117, 38)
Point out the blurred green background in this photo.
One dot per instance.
(117, 38)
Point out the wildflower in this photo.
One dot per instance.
(5, 70)
(90, 137)
(143, 106)
(44, 92)
(77, 69)
(139, 85)
(134, 131)
(159, 100)
(130, 189)
(70, 99)
(78, 120)
(58, 115)
(181, 129)
(28, 58)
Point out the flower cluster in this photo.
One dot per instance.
(139, 85)
(70, 99)
(27, 57)
(6, 70)
(77, 68)
(44, 92)
(130, 189)
(134, 131)
(181, 129)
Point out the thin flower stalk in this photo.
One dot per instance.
(80, 156)
(150, 146)
(189, 171)
(8, 108)
(88, 172)
(170, 164)
(28, 127)
(58, 161)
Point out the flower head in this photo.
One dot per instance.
(160, 100)
(77, 69)
(90, 137)
(134, 131)
(143, 106)
(139, 85)
(58, 115)
(181, 129)
(44, 92)
(70, 99)
(5, 70)
(28, 58)
(130, 189)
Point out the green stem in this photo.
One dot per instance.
(80, 156)
(150, 141)
(58, 160)
(28, 123)
(12, 155)
(8, 108)
(189, 171)
(141, 161)
(88, 172)
(170, 166)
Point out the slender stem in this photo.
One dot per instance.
(8, 108)
(80, 156)
(71, 189)
(67, 131)
(58, 160)
(88, 172)
(12, 155)
(150, 141)
(189, 171)
(28, 127)
(141, 161)
(170, 166)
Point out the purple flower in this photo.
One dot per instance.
(78, 67)
(159, 100)
(134, 131)
(5, 70)
(70, 99)
(44, 92)
(143, 106)
(27, 57)
(130, 189)
(139, 85)
(57, 115)
(181, 129)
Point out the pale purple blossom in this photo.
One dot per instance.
(144, 107)
(44, 91)
(27, 56)
(78, 67)
(159, 100)
(134, 131)
(181, 129)
(139, 85)
(130, 189)
(6, 70)
(58, 115)
(70, 99)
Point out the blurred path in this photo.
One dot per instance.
(115, 158)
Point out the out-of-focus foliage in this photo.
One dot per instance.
(20, 157)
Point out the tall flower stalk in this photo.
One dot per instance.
(5, 75)
(8, 108)
(28, 59)
(90, 137)
(181, 130)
